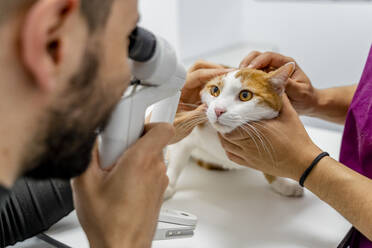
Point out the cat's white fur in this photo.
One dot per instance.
(203, 142)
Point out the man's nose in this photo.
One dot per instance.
(219, 111)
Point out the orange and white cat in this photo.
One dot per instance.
(233, 100)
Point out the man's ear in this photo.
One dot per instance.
(41, 47)
(279, 78)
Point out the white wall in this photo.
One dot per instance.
(329, 40)
(209, 25)
(194, 26)
(161, 17)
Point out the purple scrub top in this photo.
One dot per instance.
(356, 148)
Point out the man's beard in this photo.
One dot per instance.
(66, 148)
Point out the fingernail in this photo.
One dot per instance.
(251, 66)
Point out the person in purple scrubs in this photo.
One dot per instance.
(345, 185)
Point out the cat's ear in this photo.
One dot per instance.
(280, 77)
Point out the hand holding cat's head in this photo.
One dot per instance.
(245, 95)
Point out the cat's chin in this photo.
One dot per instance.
(222, 128)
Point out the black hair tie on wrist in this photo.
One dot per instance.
(311, 167)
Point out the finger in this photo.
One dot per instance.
(199, 111)
(229, 146)
(202, 64)
(192, 115)
(235, 158)
(185, 122)
(165, 183)
(94, 169)
(148, 118)
(269, 59)
(156, 137)
(248, 59)
(202, 76)
(237, 134)
(287, 109)
(198, 115)
(292, 88)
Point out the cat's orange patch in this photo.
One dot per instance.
(210, 166)
(258, 82)
(270, 178)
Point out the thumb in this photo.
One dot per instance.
(196, 116)
(156, 137)
(287, 109)
(94, 170)
(199, 110)
(292, 88)
(185, 122)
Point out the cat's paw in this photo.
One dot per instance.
(287, 187)
(169, 192)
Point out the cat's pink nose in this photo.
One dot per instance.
(219, 111)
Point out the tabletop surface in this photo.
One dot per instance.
(238, 209)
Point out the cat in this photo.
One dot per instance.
(233, 100)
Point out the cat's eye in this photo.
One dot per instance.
(215, 91)
(245, 95)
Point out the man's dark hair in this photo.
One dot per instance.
(96, 12)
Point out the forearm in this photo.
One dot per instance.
(345, 190)
(333, 103)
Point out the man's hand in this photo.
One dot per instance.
(191, 112)
(119, 207)
(303, 95)
(291, 150)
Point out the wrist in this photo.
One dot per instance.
(125, 239)
(315, 178)
(304, 161)
(333, 104)
(123, 243)
(319, 103)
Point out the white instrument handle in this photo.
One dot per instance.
(165, 110)
(165, 78)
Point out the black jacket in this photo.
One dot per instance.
(32, 207)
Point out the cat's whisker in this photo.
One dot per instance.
(199, 115)
(271, 151)
(192, 122)
(189, 125)
(264, 146)
(275, 131)
(246, 129)
(263, 126)
(262, 138)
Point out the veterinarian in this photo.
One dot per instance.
(346, 185)
(62, 70)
